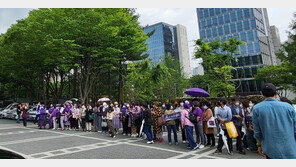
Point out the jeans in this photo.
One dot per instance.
(221, 143)
(148, 132)
(99, 123)
(170, 128)
(200, 137)
(251, 141)
(18, 118)
(189, 132)
(25, 122)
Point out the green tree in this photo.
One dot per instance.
(217, 56)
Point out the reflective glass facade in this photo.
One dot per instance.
(163, 41)
(246, 24)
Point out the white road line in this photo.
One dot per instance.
(81, 148)
(209, 156)
(31, 140)
(17, 132)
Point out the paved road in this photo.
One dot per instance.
(33, 143)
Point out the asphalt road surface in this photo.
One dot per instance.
(33, 143)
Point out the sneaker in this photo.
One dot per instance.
(230, 153)
(201, 146)
(176, 143)
(184, 141)
(170, 143)
(152, 141)
(217, 135)
(124, 134)
(195, 148)
(149, 142)
(188, 147)
(218, 152)
(113, 136)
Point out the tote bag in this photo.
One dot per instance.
(231, 129)
(211, 123)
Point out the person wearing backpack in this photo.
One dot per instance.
(188, 125)
(200, 137)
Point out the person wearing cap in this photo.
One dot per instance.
(274, 124)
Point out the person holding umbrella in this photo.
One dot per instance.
(224, 115)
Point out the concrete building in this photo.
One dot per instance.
(172, 40)
(198, 70)
(250, 25)
(275, 35)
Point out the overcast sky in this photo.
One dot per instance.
(280, 17)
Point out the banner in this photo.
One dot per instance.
(172, 116)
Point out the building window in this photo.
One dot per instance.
(239, 73)
(254, 71)
(239, 26)
(243, 36)
(255, 60)
(250, 36)
(250, 48)
(212, 12)
(232, 28)
(224, 10)
(252, 85)
(257, 47)
(259, 84)
(253, 23)
(217, 11)
(214, 31)
(233, 16)
(234, 75)
(243, 50)
(226, 18)
(247, 13)
(209, 22)
(247, 60)
(200, 13)
(226, 29)
(239, 14)
(215, 22)
(238, 86)
(220, 30)
(206, 12)
(245, 86)
(203, 24)
(202, 34)
(260, 59)
(246, 25)
(209, 35)
(220, 20)
(240, 61)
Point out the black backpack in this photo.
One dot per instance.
(192, 118)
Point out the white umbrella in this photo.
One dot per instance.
(224, 138)
(141, 129)
(104, 99)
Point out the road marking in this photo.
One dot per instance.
(17, 132)
(209, 156)
(31, 140)
(21, 154)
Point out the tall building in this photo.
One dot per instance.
(250, 25)
(168, 39)
(276, 40)
(198, 70)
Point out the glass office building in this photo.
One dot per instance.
(163, 41)
(250, 25)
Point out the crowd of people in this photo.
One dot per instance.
(194, 116)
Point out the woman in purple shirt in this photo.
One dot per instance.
(200, 137)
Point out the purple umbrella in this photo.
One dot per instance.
(197, 92)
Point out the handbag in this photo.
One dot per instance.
(231, 129)
(160, 121)
(211, 123)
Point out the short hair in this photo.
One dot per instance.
(224, 101)
(145, 105)
(268, 93)
(245, 103)
(196, 103)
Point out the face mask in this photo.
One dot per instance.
(163, 106)
(237, 104)
(251, 105)
(205, 107)
(127, 105)
(172, 107)
(181, 104)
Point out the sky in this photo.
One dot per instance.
(280, 17)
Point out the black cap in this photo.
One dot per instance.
(268, 90)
